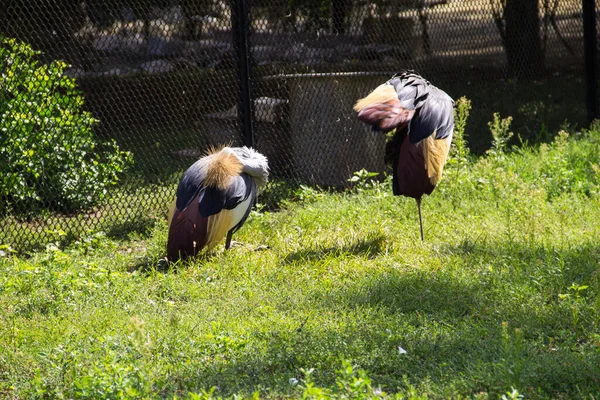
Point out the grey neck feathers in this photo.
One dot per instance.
(254, 164)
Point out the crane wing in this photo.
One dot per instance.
(187, 231)
(227, 209)
(435, 152)
(436, 115)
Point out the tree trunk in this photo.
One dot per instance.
(522, 43)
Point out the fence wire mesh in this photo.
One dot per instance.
(163, 78)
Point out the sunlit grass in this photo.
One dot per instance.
(502, 296)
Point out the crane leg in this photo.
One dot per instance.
(228, 240)
(420, 218)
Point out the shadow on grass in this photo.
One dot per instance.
(447, 362)
(369, 247)
(438, 294)
(121, 230)
(158, 263)
(563, 266)
(148, 264)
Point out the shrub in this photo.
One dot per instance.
(49, 158)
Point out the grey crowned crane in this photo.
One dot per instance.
(422, 117)
(214, 198)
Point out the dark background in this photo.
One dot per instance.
(168, 78)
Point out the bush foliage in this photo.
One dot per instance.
(49, 157)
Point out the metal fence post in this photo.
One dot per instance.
(591, 57)
(240, 22)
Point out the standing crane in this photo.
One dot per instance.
(214, 198)
(422, 117)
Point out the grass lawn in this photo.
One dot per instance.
(334, 296)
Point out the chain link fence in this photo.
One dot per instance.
(166, 79)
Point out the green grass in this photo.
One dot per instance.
(502, 297)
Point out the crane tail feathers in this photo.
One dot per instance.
(218, 225)
(187, 232)
(435, 152)
(381, 94)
